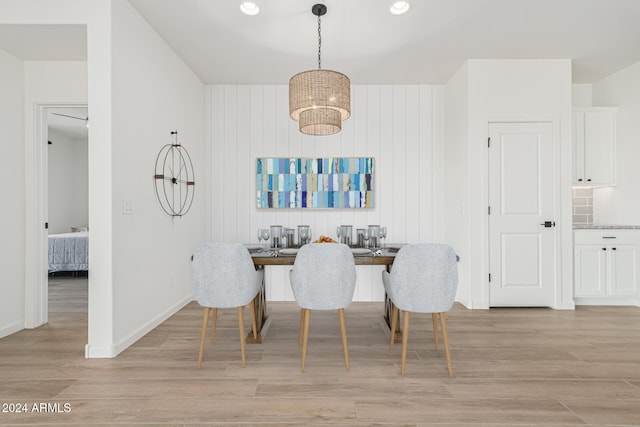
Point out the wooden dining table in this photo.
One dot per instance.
(264, 258)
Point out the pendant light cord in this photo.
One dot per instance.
(319, 42)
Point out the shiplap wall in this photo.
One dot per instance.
(401, 126)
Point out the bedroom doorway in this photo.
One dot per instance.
(67, 209)
(61, 178)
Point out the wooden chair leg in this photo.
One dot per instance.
(343, 332)
(434, 320)
(445, 339)
(203, 334)
(405, 339)
(394, 325)
(301, 332)
(254, 322)
(214, 323)
(305, 338)
(241, 327)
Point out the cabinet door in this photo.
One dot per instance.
(622, 268)
(590, 273)
(599, 148)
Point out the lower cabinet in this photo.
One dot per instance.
(606, 267)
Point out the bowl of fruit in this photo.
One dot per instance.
(324, 239)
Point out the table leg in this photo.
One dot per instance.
(385, 321)
(263, 321)
(386, 317)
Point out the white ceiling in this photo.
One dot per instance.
(45, 42)
(361, 38)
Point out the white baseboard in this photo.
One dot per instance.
(11, 329)
(628, 301)
(110, 351)
(568, 305)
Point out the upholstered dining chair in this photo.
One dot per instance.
(323, 278)
(223, 276)
(423, 279)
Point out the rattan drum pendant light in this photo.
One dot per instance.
(319, 100)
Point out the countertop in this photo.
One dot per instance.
(605, 227)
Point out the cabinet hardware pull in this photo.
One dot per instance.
(588, 179)
(608, 237)
(579, 179)
(604, 249)
(613, 249)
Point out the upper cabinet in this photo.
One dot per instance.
(594, 146)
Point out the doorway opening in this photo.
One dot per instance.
(61, 193)
(67, 209)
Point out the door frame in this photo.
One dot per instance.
(36, 310)
(563, 175)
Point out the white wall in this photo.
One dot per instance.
(67, 179)
(510, 90)
(153, 94)
(401, 126)
(457, 176)
(96, 15)
(80, 185)
(51, 82)
(12, 194)
(621, 204)
(582, 95)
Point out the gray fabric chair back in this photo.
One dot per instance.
(324, 276)
(424, 278)
(223, 275)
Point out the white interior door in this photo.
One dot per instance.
(522, 258)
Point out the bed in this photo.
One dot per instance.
(69, 252)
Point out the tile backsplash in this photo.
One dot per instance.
(582, 205)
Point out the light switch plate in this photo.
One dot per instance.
(128, 206)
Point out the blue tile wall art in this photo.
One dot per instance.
(315, 183)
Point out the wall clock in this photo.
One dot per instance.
(174, 178)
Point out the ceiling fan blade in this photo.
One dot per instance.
(72, 117)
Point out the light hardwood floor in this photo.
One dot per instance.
(512, 367)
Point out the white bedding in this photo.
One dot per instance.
(69, 252)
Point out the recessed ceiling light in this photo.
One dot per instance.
(249, 8)
(399, 7)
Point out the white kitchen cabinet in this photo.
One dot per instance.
(590, 274)
(594, 146)
(606, 266)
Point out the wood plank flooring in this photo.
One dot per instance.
(512, 367)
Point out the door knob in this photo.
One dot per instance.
(549, 224)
